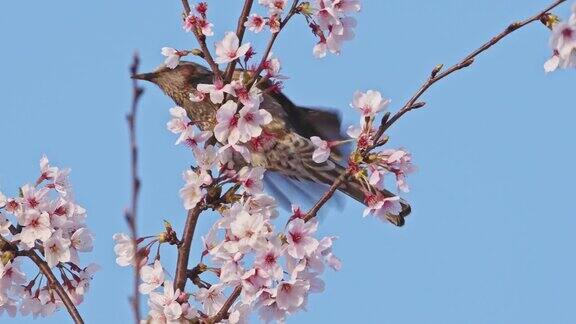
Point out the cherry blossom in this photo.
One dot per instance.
(192, 192)
(216, 90)
(300, 238)
(172, 57)
(228, 49)
(369, 103)
(274, 6)
(255, 23)
(322, 149)
(226, 130)
(251, 179)
(211, 299)
(36, 227)
(165, 304)
(251, 121)
(124, 249)
(57, 249)
(152, 277)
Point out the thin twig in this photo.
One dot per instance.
(223, 312)
(327, 195)
(184, 249)
(201, 39)
(260, 68)
(240, 29)
(55, 284)
(412, 104)
(47, 272)
(131, 213)
(465, 62)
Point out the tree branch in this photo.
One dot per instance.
(260, 68)
(412, 104)
(55, 284)
(240, 29)
(131, 212)
(223, 312)
(201, 39)
(465, 62)
(184, 249)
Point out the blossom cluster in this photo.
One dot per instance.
(275, 271)
(371, 170)
(563, 43)
(45, 220)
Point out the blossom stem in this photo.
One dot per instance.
(293, 10)
(47, 272)
(184, 249)
(202, 42)
(223, 312)
(55, 284)
(464, 63)
(132, 211)
(327, 195)
(240, 29)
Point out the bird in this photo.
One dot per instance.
(288, 149)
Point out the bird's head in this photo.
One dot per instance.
(179, 80)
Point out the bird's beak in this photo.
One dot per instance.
(144, 76)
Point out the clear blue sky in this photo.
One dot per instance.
(491, 238)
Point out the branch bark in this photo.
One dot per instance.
(223, 312)
(412, 103)
(464, 63)
(240, 29)
(184, 248)
(131, 213)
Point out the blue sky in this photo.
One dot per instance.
(492, 233)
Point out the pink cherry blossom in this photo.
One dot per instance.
(192, 192)
(165, 303)
(226, 130)
(251, 179)
(300, 238)
(274, 6)
(381, 206)
(211, 299)
(228, 49)
(369, 103)
(47, 171)
(179, 122)
(36, 227)
(57, 249)
(124, 249)
(255, 23)
(251, 121)
(172, 57)
(152, 277)
(216, 90)
(322, 149)
(291, 294)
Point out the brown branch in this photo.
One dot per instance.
(240, 29)
(184, 248)
(223, 312)
(260, 68)
(132, 211)
(55, 284)
(186, 6)
(412, 104)
(327, 195)
(47, 272)
(465, 62)
(202, 42)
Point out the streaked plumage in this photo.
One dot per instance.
(286, 147)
